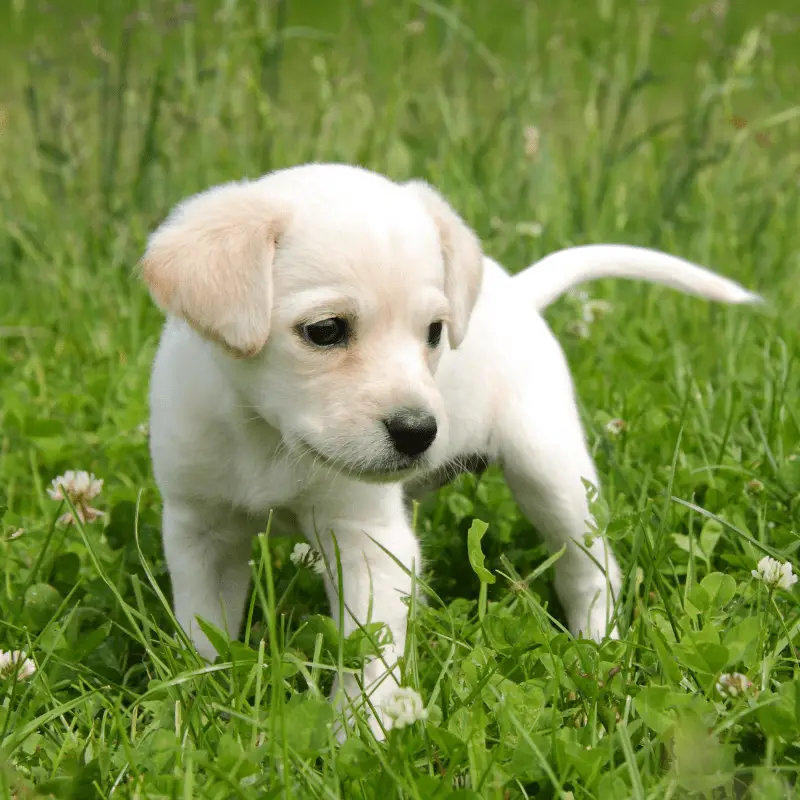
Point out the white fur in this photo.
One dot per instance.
(247, 418)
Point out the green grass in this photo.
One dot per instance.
(103, 127)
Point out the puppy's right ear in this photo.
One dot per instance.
(463, 260)
(210, 263)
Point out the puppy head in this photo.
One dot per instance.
(337, 285)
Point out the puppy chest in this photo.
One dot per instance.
(261, 484)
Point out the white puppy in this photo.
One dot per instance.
(304, 367)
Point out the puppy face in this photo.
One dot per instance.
(353, 286)
(358, 313)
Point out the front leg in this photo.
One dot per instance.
(365, 519)
(207, 551)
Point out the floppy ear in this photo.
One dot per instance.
(210, 263)
(463, 260)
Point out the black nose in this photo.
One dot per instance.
(411, 430)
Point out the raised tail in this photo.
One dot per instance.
(549, 278)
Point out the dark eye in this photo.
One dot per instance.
(434, 334)
(326, 333)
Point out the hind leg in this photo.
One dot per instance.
(544, 455)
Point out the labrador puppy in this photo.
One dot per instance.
(331, 336)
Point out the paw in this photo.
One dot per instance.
(592, 617)
(200, 642)
(351, 704)
(381, 678)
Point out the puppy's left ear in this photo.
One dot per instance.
(463, 260)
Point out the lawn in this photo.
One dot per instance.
(546, 125)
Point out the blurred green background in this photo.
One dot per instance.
(673, 125)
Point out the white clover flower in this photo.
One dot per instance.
(591, 309)
(616, 426)
(596, 309)
(719, 8)
(532, 229)
(404, 707)
(81, 488)
(775, 574)
(578, 328)
(462, 781)
(733, 684)
(304, 555)
(16, 663)
(532, 139)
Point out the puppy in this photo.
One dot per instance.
(332, 335)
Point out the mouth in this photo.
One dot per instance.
(385, 471)
(388, 476)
